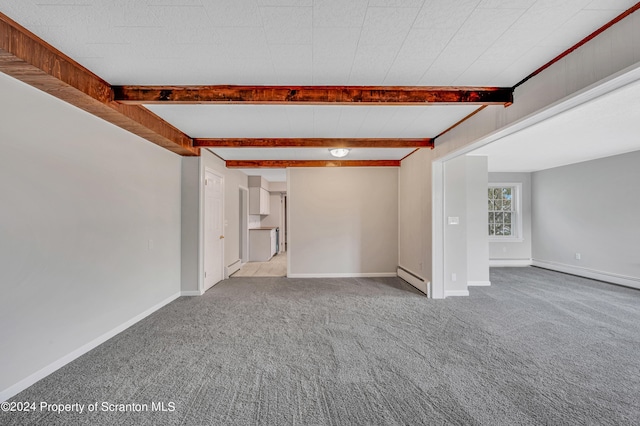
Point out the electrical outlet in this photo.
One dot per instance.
(578, 256)
(151, 245)
(453, 277)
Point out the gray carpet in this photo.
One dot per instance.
(535, 348)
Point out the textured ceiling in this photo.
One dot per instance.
(605, 126)
(313, 42)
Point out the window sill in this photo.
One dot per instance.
(506, 240)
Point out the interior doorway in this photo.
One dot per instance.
(213, 229)
(243, 253)
(286, 224)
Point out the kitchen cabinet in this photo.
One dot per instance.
(259, 201)
(262, 244)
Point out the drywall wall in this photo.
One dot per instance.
(191, 227)
(589, 208)
(193, 217)
(343, 221)
(414, 213)
(89, 232)
(477, 219)
(455, 231)
(514, 253)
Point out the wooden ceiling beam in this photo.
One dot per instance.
(283, 164)
(26, 57)
(313, 95)
(312, 143)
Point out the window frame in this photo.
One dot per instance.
(516, 218)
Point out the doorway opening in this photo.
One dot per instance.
(213, 229)
(243, 244)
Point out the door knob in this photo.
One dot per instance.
(221, 236)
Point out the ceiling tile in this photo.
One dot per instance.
(335, 43)
(617, 5)
(445, 15)
(400, 120)
(484, 27)
(293, 3)
(333, 54)
(386, 26)
(301, 121)
(506, 4)
(325, 122)
(292, 63)
(435, 119)
(421, 48)
(339, 13)
(374, 121)
(576, 28)
(239, 13)
(287, 25)
(371, 64)
(396, 3)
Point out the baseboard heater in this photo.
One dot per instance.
(234, 267)
(414, 280)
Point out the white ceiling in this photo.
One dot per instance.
(313, 42)
(300, 121)
(605, 126)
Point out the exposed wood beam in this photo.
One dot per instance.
(283, 164)
(26, 57)
(312, 143)
(314, 95)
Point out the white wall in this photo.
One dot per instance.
(514, 253)
(343, 221)
(89, 232)
(590, 208)
(414, 210)
(477, 219)
(455, 235)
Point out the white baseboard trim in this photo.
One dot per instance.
(346, 275)
(450, 293)
(509, 263)
(191, 293)
(61, 362)
(478, 283)
(609, 277)
(415, 280)
(233, 268)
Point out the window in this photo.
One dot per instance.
(504, 211)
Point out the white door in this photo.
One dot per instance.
(213, 229)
